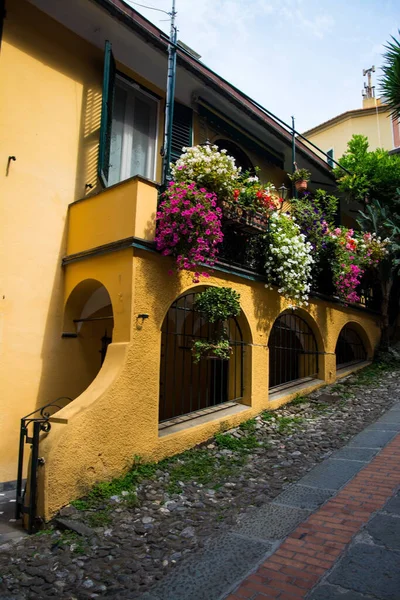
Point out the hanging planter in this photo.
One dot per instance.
(248, 221)
(301, 185)
(217, 350)
(216, 304)
(300, 178)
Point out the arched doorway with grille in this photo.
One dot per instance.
(293, 351)
(350, 348)
(187, 386)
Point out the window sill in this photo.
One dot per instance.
(291, 389)
(351, 368)
(200, 417)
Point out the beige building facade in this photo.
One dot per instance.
(372, 120)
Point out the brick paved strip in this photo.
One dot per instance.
(314, 546)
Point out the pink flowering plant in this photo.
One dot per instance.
(189, 226)
(353, 255)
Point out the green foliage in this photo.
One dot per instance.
(100, 518)
(285, 424)
(225, 440)
(300, 175)
(390, 82)
(299, 399)
(373, 175)
(77, 544)
(218, 303)
(385, 223)
(313, 214)
(249, 425)
(104, 490)
(267, 415)
(219, 349)
(201, 466)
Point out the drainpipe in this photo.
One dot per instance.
(2, 17)
(294, 191)
(169, 100)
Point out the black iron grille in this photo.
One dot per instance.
(293, 351)
(349, 347)
(184, 385)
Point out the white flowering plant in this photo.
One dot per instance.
(288, 259)
(209, 167)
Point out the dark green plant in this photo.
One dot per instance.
(300, 175)
(218, 349)
(390, 82)
(385, 223)
(243, 444)
(218, 304)
(372, 175)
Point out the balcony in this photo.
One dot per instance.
(113, 218)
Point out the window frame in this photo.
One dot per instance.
(129, 83)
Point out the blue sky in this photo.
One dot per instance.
(296, 57)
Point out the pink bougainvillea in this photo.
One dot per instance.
(189, 226)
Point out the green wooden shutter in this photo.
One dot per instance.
(182, 130)
(106, 114)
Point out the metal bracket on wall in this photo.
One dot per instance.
(10, 158)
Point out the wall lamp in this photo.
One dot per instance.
(283, 191)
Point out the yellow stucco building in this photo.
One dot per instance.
(89, 311)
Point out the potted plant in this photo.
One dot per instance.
(300, 178)
(251, 204)
(218, 349)
(217, 305)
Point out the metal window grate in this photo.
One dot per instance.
(184, 385)
(293, 351)
(349, 348)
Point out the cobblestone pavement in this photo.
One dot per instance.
(350, 548)
(204, 520)
(10, 529)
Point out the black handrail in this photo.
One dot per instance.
(40, 423)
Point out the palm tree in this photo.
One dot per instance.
(390, 81)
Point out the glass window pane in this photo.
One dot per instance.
(117, 129)
(144, 132)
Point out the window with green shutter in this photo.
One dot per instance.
(182, 130)
(128, 130)
(106, 114)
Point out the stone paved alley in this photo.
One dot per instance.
(287, 505)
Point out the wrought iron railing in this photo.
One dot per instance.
(31, 427)
(245, 252)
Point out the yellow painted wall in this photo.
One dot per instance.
(378, 129)
(117, 415)
(49, 120)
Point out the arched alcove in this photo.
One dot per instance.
(187, 386)
(88, 325)
(293, 350)
(351, 346)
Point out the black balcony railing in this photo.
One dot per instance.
(244, 251)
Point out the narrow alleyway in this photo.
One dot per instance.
(277, 508)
